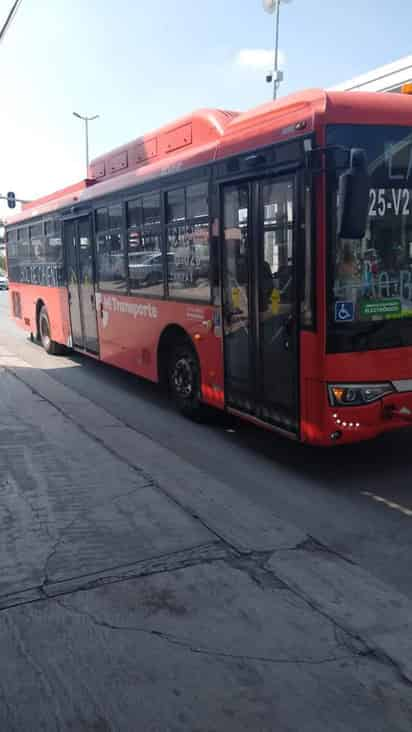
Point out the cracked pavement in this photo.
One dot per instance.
(139, 593)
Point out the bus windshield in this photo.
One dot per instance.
(371, 280)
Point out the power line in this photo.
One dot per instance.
(9, 18)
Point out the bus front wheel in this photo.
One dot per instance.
(184, 380)
(48, 344)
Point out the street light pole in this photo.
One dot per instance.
(86, 129)
(276, 30)
(276, 76)
(86, 121)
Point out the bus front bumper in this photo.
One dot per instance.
(347, 424)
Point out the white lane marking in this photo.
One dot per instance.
(390, 504)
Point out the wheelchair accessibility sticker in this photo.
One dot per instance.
(344, 311)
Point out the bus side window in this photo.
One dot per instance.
(111, 265)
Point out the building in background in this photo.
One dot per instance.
(388, 78)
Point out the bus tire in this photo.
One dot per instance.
(183, 376)
(50, 346)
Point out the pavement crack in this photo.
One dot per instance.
(80, 514)
(44, 680)
(254, 566)
(201, 554)
(52, 554)
(359, 646)
(376, 654)
(250, 562)
(311, 544)
(194, 648)
(137, 469)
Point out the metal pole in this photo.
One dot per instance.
(275, 75)
(9, 19)
(86, 122)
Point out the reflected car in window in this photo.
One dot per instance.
(147, 269)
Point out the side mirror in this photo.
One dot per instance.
(353, 197)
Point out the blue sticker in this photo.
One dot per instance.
(344, 311)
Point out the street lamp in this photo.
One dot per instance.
(273, 8)
(86, 121)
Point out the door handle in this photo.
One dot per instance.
(92, 299)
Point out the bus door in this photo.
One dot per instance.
(78, 244)
(259, 301)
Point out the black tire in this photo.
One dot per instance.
(183, 377)
(50, 346)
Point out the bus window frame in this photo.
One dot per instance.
(185, 221)
(184, 179)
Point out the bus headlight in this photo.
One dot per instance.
(354, 395)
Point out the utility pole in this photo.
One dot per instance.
(276, 76)
(86, 121)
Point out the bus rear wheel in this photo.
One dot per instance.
(184, 380)
(48, 344)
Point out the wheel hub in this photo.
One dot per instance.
(183, 378)
(44, 331)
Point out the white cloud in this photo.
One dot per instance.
(258, 59)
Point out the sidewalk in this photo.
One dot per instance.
(137, 593)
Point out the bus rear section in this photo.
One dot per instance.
(37, 287)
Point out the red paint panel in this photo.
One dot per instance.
(142, 152)
(178, 138)
(98, 170)
(56, 301)
(130, 329)
(118, 162)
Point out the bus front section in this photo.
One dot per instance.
(367, 386)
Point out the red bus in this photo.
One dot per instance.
(209, 255)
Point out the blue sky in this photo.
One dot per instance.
(142, 64)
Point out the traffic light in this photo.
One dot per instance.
(11, 199)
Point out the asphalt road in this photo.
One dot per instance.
(357, 499)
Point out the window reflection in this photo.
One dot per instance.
(111, 262)
(38, 249)
(187, 261)
(276, 276)
(145, 259)
(235, 252)
(188, 245)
